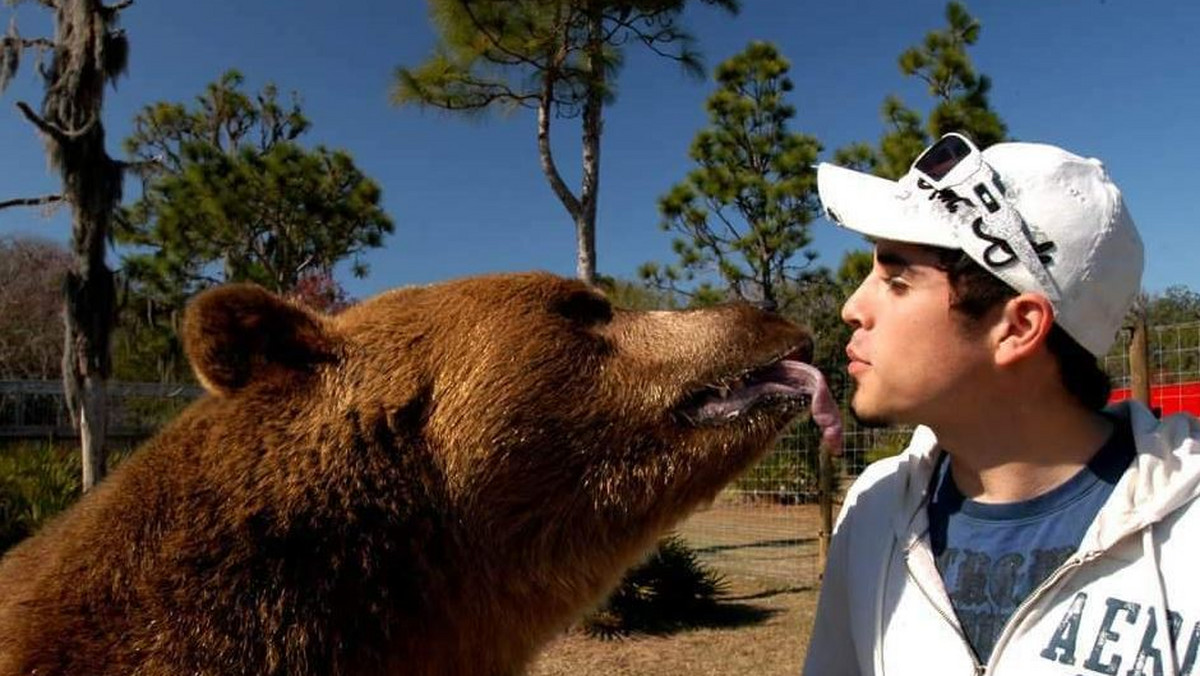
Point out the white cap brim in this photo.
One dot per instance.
(883, 209)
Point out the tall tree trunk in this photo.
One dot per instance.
(92, 186)
(585, 223)
(93, 427)
(88, 314)
(583, 208)
(770, 295)
(583, 232)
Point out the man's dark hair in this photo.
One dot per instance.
(976, 292)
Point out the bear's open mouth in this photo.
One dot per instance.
(785, 382)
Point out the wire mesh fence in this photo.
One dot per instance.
(1172, 365)
(37, 409)
(766, 524)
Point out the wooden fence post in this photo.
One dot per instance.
(825, 500)
(1139, 361)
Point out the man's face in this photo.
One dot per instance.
(911, 356)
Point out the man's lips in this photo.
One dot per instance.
(857, 363)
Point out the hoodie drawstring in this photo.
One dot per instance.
(880, 587)
(1150, 555)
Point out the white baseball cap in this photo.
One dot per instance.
(1036, 216)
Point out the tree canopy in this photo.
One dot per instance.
(743, 213)
(230, 195)
(960, 100)
(32, 272)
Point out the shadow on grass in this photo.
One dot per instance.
(776, 591)
(759, 544)
(728, 613)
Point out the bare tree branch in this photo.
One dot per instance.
(31, 201)
(494, 92)
(42, 125)
(155, 162)
(42, 43)
(500, 93)
(52, 130)
(715, 208)
(667, 33)
(50, 4)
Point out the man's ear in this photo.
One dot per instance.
(1023, 327)
(238, 334)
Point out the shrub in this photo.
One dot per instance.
(669, 590)
(37, 481)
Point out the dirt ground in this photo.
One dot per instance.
(766, 634)
(767, 554)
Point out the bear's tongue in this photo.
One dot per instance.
(786, 378)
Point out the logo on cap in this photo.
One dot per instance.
(999, 252)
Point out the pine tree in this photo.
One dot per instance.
(230, 195)
(960, 96)
(744, 212)
(558, 57)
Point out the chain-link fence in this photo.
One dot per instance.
(35, 409)
(766, 524)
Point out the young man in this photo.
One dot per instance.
(1026, 529)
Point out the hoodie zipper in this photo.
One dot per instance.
(980, 669)
(1056, 577)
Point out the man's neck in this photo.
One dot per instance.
(1022, 450)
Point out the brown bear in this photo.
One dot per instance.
(433, 482)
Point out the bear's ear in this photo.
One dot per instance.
(241, 333)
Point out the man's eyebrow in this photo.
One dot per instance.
(892, 259)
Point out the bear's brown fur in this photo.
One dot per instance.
(433, 482)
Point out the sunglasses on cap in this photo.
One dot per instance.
(954, 163)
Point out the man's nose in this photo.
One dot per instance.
(852, 309)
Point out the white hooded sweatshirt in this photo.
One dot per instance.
(1126, 602)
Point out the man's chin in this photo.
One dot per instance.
(868, 418)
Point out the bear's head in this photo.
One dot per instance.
(515, 440)
(533, 394)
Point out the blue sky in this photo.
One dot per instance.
(1115, 79)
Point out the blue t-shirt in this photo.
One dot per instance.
(993, 556)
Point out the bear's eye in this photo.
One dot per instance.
(585, 308)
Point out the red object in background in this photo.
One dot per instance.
(1167, 399)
